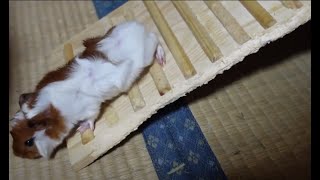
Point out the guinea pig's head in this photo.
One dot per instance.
(23, 139)
(37, 136)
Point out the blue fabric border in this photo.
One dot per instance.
(104, 7)
(177, 146)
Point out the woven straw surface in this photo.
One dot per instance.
(256, 116)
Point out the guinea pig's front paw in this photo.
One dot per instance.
(85, 125)
(160, 55)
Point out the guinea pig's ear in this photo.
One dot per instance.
(45, 145)
(24, 98)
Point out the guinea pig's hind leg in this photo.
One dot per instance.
(88, 124)
(160, 56)
(153, 48)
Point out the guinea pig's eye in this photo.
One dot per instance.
(29, 142)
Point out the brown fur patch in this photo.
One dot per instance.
(91, 46)
(57, 126)
(20, 134)
(59, 74)
(50, 120)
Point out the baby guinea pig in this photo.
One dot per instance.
(72, 95)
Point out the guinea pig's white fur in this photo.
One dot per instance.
(129, 49)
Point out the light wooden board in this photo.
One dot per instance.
(120, 119)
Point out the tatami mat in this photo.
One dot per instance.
(256, 116)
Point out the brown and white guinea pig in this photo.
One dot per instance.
(73, 94)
